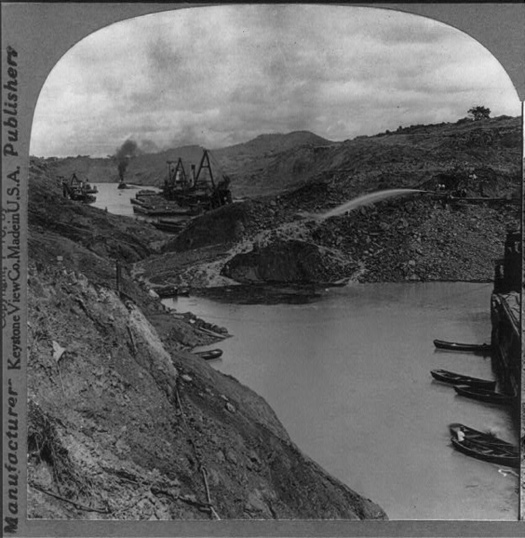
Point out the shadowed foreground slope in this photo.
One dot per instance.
(124, 422)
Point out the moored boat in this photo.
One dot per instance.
(209, 355)
(146, 192)
(492, 454)
(484, 395)
(170, 227)
(451, 378)
(461, 432)
(160, 211)
(139, 208)
(137, 201)
(457, 346)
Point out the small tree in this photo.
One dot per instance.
(479, 113)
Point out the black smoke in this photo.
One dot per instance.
(124, 154)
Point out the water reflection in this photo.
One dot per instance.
(348, 374)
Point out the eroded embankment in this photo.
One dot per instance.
(410, 239)
(123, 425)
(123, 421)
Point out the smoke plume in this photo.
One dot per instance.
(128, 150)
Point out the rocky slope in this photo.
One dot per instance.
(124, 421)
(436, 236)
(413, 238)
(270, 164)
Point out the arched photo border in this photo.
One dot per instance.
(40, 34)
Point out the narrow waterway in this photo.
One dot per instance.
(348, 375)
(115, 200)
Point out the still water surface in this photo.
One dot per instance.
(348, 375)
(115, 200)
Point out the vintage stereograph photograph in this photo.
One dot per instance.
(262, 263)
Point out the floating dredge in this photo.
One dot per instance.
(196, 191)
(183, 196)
(78, 190)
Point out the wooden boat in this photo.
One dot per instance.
(137, 201)
(444, 376)
(160, 211)
(460, 432)
(170, 227)
(146, 192)
(210, 354)
(484, 395)
(493, 454)
(456, 346)
(139, 208)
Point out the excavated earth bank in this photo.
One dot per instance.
(124, 421)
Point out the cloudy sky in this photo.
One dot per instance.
(223, 75)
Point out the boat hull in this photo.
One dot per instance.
(210, 355)
(458, 430)
(456, 346)
(482, 395)
(489, 454)
(451, 378)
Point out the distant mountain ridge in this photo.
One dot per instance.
(275, 141)
(273, 163)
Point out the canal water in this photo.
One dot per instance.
(348, 375)
(115, 200)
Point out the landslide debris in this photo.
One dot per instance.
(418, 238)
(124, 422)
(441, 235)
(289, 262)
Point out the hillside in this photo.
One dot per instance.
(436, 235)
(152, 415)
(273, 163)
(124, 422)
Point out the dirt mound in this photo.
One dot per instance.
(289, 262)
(422, 239)
(220, 226)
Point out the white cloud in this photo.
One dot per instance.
(223, 74)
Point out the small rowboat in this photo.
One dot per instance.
(493, 454)
(461, 432)
(456, 346)
(209, 355)
(146, 192)
(444, 376)
(484, 395)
